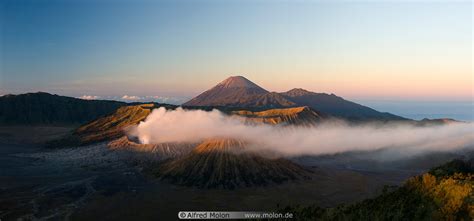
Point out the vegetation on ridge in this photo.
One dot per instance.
(444, 193)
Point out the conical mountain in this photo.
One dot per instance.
(239, 82)
(228, 164)
(238, 91)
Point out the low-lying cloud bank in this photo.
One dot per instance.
(331, 137)
(89, 97)
(134, 98)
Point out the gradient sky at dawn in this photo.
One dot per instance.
(403, 50)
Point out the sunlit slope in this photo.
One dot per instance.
(115, 125)
(109, 127)
(295, 116)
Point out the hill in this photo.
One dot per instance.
(444, 193)
(225, 163)
(44, 108)
(435, 122)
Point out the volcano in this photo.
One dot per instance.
(238, 91)
(229, 164)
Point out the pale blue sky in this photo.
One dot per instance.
(405, 50)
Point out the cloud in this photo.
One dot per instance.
(159, 99)
(89, 97)
(327, 138)
(127, 97)
(167, 100)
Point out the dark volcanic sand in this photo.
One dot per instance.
(94, 183)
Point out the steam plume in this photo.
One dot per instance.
(332, 137)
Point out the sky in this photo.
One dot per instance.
(360, 50)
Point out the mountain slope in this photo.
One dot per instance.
(43, 108)
(109, 127)
(444, 193)
(113, 125)
(336, 106)
(293, 116)
(225, 163)
(238, 91)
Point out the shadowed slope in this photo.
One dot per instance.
(224, 163)
(44, 109)
(336, 106)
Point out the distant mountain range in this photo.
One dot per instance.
(238, 91)
(44, 108)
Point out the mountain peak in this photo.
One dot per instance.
(237, 82)
(238, 91)
(297, 92)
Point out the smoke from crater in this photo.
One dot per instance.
(327, 138)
